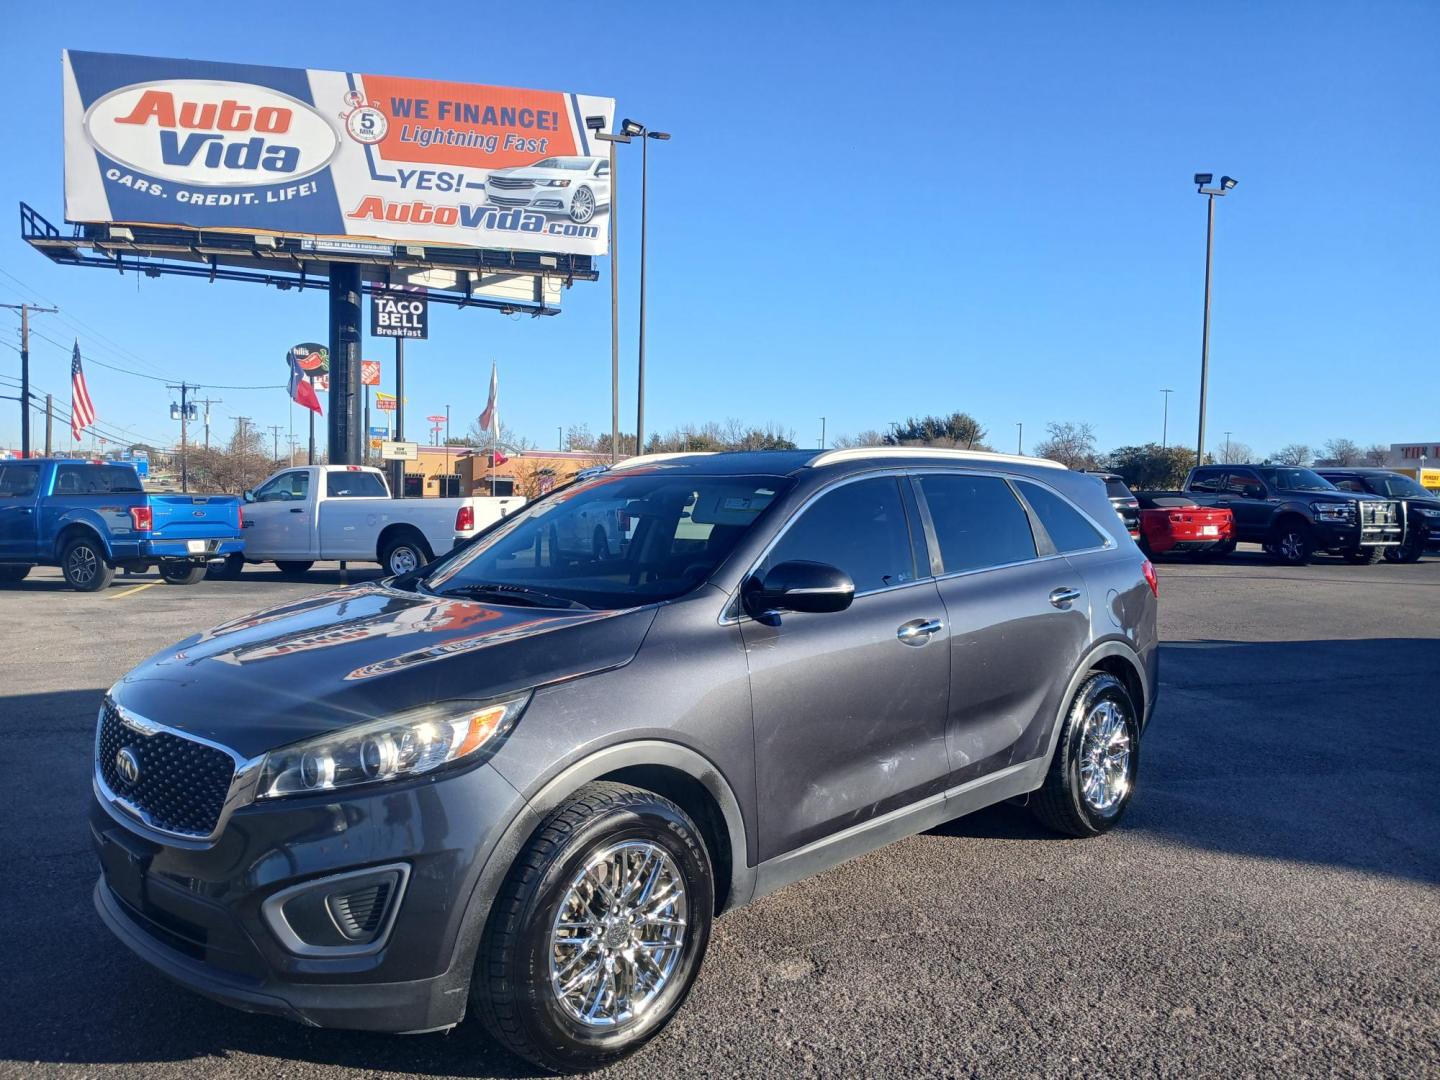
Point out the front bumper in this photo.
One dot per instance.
(198, 914)
(1345, 536)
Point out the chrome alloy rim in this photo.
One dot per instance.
(582, 207)
(618, 934)
(403, 560)
(1292, 546)
(1104, 758)
(83, 565)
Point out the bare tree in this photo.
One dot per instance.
(1071, 444)
(1342, 452)
(1234, 452)
(863, 438)
(1376, 454)
(1293, 454)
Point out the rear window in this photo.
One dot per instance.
(1116, 489)
(96, 480)
(18, 480)
(978, 522)
(354, 485)
(1069, 529)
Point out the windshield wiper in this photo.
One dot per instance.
(513, 594)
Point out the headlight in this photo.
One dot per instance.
(552, 183)
(1429, 515)
(1331, 511)
(407, 744)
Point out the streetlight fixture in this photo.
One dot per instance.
(1202, 182)
(1165, 421)
(596, 124)
(636, 130)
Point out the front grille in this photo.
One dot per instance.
(1379, 513)
(182, 784)
(507, 183)
(501, 200)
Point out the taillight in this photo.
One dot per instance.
(240, 517)
(1150, 579)
(464, 519)
(143, 517)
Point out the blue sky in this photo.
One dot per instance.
(867, 211)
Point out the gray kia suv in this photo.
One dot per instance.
(524, 779)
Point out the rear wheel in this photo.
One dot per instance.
(1292, 544)
(227, 569)
(598, 933)
(12, 575)
(1097, 757)
(293, 568)
(84, 566)
(582, 206)
(403, 553)
(176, 572)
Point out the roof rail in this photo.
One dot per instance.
(650, 459)
(859, 453)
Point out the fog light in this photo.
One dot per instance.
(345, 915)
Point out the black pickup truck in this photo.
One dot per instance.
(1422, 517)
(1295, 512)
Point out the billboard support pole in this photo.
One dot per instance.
(366, 444)
(344, 427)
(397, 488)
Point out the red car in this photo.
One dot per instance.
(1175, 523)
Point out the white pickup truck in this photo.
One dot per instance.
(302, 515)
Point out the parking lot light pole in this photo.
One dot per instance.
(1019, 436)
(1201, 182)
(635, 129)
(596, 124)
(1165, 421)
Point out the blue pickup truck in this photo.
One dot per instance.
(90, 517)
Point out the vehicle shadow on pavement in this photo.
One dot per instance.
(1319, 752)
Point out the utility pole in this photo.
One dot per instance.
(185, 389)
(1227, 448)
(275, 441)
(25, 310)
(242, 432)
(49, 421)
(447, 425)
(207, 402)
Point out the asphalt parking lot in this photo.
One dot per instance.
(1269, 905)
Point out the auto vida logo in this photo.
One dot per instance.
(210, 133)
(127, 765)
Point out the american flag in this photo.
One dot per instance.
(82, 409)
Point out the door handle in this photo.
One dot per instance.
(26, 509)
(1064, 597)
(918, 631)
(296, 510)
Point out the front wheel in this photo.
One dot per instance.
(293, 569)
(1292, 544)
(1092, 776)
(599, 931)
(13, 575)
(1408, 552)
(176, 572)
(84, 566)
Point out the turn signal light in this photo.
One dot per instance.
(464, 518)
(143, 518)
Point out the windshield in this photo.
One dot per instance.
(1398, 487)
(574, 164)
(1295, 480)
(618, 540)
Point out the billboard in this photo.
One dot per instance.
(332, 154)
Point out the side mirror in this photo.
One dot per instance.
(800, 586)
(248, 495)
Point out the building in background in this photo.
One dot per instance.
(1418, 459)
(448, 471)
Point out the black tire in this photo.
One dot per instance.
(12, 575)
(293, 568)
(1220, 550)
(1365, 556)
(84, 566)
(599, 545)
(1408, 552)
(228, 569)
(403, 552)
(1292, 544)
(1061, 804)
(176, 572)
(511, 990)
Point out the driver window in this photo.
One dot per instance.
(858, 527)
(1237, 483)
(287, 487)
(1350, 485)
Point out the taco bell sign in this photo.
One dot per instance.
(332, 154)
(400, 312)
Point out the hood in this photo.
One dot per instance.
(349, 655)
(1336, 496)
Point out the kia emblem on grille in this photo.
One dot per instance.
(127, 764)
